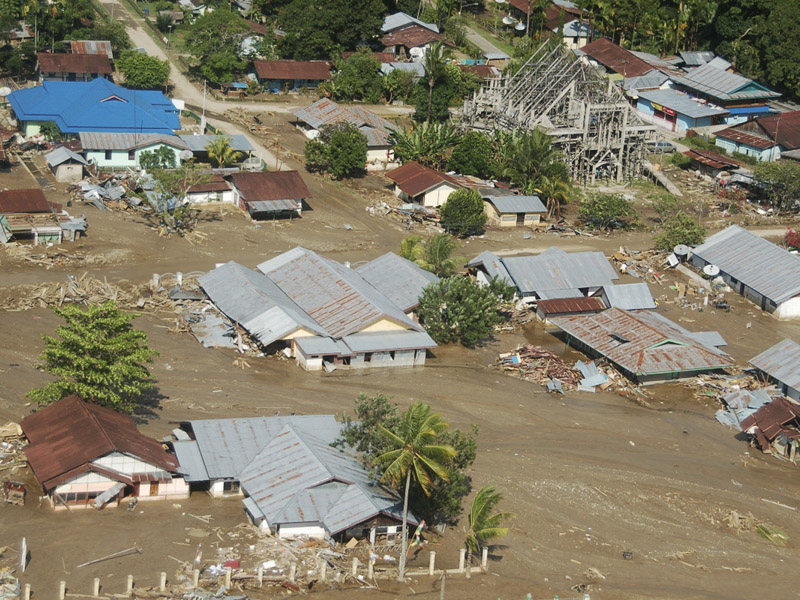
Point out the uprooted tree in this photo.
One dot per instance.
(98, 355)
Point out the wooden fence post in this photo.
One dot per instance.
(96, 587)
(162, 586)
(432, 563)
(461, 557)
(129, 586)
(62, 590)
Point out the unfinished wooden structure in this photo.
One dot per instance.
(599, 133)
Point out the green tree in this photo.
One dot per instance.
(679, 228)
(458, 310)
(164, 22)
(358, 78)
(215, 41)
(314, 28)
(485, 524)
(434, 255)
(473, 155)
(781, 180)
(341, 150)
(435, 73)
(528, 157)
(462, 213)
(426, 143)
(398, 85)
(608, 211)
(142, 71)
(462, 83)
(415, 454)
(221, 153)
(98, 355)
(555, 191)
(50, 131)
(163, 157)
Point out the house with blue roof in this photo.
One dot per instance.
(94, 106)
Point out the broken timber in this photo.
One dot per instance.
(598, 132)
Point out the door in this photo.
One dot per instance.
(520, 219)
(154, 488)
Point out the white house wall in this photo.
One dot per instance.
(122, 463)
(293, 531)
(788, 310)
(226, 196)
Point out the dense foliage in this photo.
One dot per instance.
(781, 182)
(473, 156)
(434, 254)
(426, 143)
(98, 355)
(142, 71)
(357, 78)
(215, 41)
(458, 310)
(162, 157)
(362, 432)
(462, 214)
(221, 153)
(608, 211)
(340, 149)
(680, 228)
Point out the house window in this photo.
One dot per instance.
(131, 154)
(108, 154)
(231, 487)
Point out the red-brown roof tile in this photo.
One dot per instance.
(410, 37)
(218, 184)
(414, 178)
(482, 71)
(67, 435)
(24, 201)
(616, 58)
(313, 70)
(784, 128)
(780, 415)
(74, 63)
(567, 306)
(270, 185)
(743, 137)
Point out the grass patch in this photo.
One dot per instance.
(489, 37)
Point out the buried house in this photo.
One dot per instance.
(781, 364)
(293, 481)
(644, 346)
(320, 312)
(86, 456)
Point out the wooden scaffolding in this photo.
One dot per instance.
(598, 132)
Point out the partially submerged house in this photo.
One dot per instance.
(66, 165)
(73, 67)
(293, 482)
(27, 214)
(645, 346)
(322, 313)
(422, 185)
(279, 75)
(551, 274)
(775, 427)
(97, 106)
(401, 281)
(781, 364)
(88, 456)
(514, 211)
(121, 150)
(762, 272)
(311, 119)
(269, 194)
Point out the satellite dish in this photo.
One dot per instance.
(5, 91)
(312, 134)
(508, 20)
(520, 26)
(711, 270)
(501, 1)
(681, 250)
(185, 154)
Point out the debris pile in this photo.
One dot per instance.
(9, 585)
(642, 264)
(12, 458)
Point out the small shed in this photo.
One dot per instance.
(711, 163)
(559, 307)
(216, 189)
(269, 194)
(277, 75)
(781, 364)
(66, 165)
(514, 211)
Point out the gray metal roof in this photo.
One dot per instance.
(400, 19)
(384, 341)
(401, 281)
(723, 85)
(577, 29)
(711, 339)
(555, 269)
(695, 59)
(93, 140)
(681, 103)
(653, 79)
(629, 296)
(190, 460)
(273, 206)
(559, 294)
(199, 143)
(61, 155)
(719, 63)
(415, 68)
(336, 297)
(761, 265)
(782, 362)
(316, 345)
(517, 204)
(327, 112)
(492, 265)
(496, 55)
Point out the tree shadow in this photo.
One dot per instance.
(149, 406)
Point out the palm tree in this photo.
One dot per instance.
(416, 455)
(221, 152)
(556, 191)
(426, 143)
(529, 157)
(438, 256)
(483, 524)
(433, 66)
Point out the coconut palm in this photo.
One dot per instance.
(485, 525)
(531, 156)
(434, 254)
(426, 143)
(415, 455)
(220, 151)
(433, 64)
(555, 190)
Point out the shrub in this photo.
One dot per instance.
(462, 213)
(680, 229)
(608, 211)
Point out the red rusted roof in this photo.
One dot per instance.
(69, 434)
(482, 71)
(270, 185)
(24, 201)
(74, 63)
(780, 415)
(411, 37)
(712, 159)
(784, 128)
(257, 27)
(314, 70)
(743, 137)
(569, 306)
(616, 58)
(218, 184)
(414, 178)
(552, 13)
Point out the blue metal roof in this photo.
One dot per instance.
(97, 105)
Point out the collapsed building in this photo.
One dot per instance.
(598, 132)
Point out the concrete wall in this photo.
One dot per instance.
(380, 155)
(306, 530)
(121, 158)
(204, 197)
(175, 489)
(69, 172)
(431, 199)
(788, 310)
(509, 220)
(217, 489)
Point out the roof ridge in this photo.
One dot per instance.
(85, 406)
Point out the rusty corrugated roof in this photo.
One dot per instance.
(92, 47)
(414, 178)
(314, 70)
(24, 201)
(616, 58)
(270, 185)
(411, 37)
(780, 415)
(67, 435)
(74, 63)
(564, 306)
(327, 112)
(742, 137)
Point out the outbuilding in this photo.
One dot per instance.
(781, 364)
(280, 75)
(269, 194)
(66, 165)
(514, 211)
(422, 185)
(217, 189)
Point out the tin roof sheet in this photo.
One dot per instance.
(326, 112)
(556, 269)
(190, 460)
(61, 155)
(272, 206)
(517, 204)
(761, 265)
(401, 281)
(721, 84)
(772, 419)
(565, 306)
(630, 296)
(712, 159)
(83, 64)
(642, 343)
(781, 362)
(385, 341)
(414, 178)
(695, 59)
(24, 201)
(616, 58)
(92, 47)
(94, 140)
(199, 143)
(492, 265)
(312, 70)
(681, 103)
(742, 137)
(412, 36)
(322, 346)
(264, 186)
(784, 128)
(399, 20)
